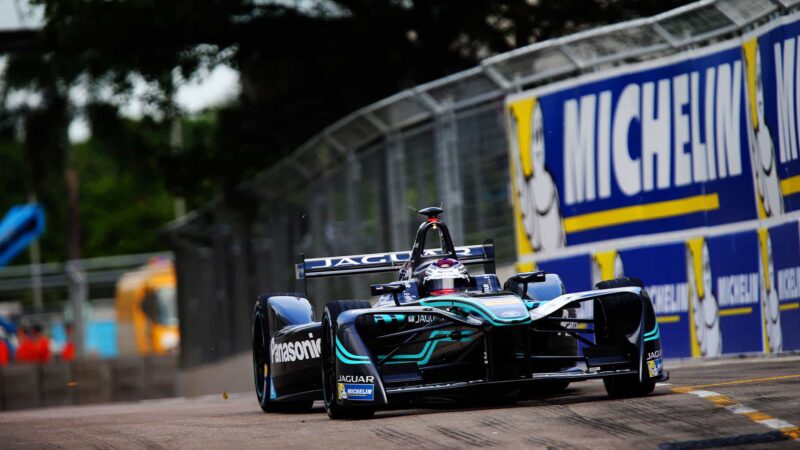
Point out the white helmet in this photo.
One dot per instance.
(445, 276)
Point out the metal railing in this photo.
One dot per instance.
(694, 24)
(104, 270)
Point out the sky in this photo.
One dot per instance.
(205, 90)
(17, 14)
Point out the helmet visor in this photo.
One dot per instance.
(442, 286)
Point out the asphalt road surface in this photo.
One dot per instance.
(748, 403)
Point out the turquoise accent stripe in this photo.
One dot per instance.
(341, 348)
(653, 334)
(471, 306)
(389, 318)
(427, 350)
(348, 358)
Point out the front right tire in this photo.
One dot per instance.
(329, 373)
(621, 386)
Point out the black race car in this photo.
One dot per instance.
(440, 332)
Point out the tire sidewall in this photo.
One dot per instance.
(262, 386)
(329, 352)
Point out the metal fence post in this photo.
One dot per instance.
(78, 294)
(395, 183)
(447, 169)
(354, 207)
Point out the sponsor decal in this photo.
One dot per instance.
(670, 298)
(654, 355)
(383, 258)
(413, 318)
(510, 314)
(738, 289)
(356, 379)
(421, 318)
(789, 284)
(499, 302)
(272, 393)
(654, 367)
(364, 392)
(283, 352)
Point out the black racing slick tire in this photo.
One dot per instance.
(261, 365)
(329, 375)
(620, 282)
(622, 386)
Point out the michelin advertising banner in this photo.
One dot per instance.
(690, 145)
(729, 293)
(704, 138)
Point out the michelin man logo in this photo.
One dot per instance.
(607, 266)
(537, 193)
(770, 304)
(703, 309)
(762, 147)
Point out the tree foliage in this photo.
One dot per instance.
(303, 65)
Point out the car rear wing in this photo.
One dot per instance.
(387, 262)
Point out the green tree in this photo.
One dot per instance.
(302, 67)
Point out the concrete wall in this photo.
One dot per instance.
(87, 381)
(233, 374)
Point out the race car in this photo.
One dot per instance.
(442, 332)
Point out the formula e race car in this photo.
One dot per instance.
(439, 332)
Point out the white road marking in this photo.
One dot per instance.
(790, 430)
(703, 394)
(740, 409)
(777, 424)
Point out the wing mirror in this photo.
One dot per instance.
(389, 288)
(522, 280)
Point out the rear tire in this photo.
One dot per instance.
(261, 366)
(620, 282)
(329, 375)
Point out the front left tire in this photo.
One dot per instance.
(261, 366)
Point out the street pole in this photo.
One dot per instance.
(36, 268)
(78, 294)
(176, 142)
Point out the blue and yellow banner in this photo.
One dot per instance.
(729, 293)
(645, 150)
(700, 139)
(682, 171)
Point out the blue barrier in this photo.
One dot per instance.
(20, 226)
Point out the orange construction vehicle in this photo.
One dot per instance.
(147, 313)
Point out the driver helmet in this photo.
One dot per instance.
(445, 276)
